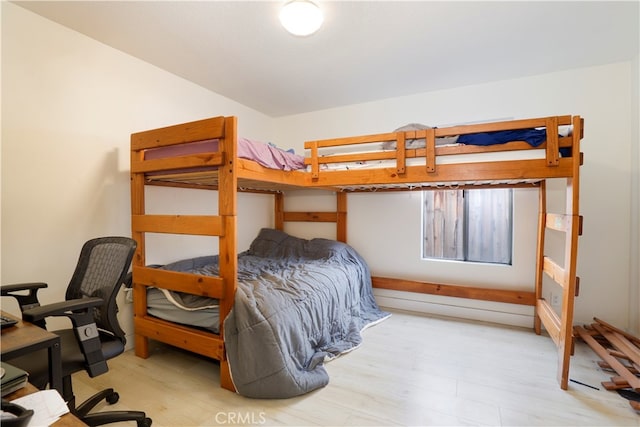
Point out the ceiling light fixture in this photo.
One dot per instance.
(301, 17)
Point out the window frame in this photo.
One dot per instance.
(503, 249)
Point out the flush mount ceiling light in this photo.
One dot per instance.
(301, 17)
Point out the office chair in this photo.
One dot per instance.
(96, 336)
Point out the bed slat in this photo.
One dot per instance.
(194, 340)
(401, 159)
(549, 319)
(206, 286)
(498, 126)
(430, 150)
(199, 130)
(311, 216)
(556, 272)
(202, 225)
(181, 162)
(552, 153)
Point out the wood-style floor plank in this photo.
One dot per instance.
(410, 370)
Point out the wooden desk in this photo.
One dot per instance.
(67, 420)
(24, 338)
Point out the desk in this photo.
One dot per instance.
(23, 338)
(67, 420)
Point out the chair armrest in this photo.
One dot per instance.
(5, 289)
(63, 308)
(25, 301)
(84, 326)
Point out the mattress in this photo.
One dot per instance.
(266, 154)
(161, 304)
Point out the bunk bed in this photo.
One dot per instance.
(403, 160)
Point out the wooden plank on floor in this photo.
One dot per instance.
(619, 367)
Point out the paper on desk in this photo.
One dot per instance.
(48, 406)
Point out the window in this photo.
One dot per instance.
(468, 225)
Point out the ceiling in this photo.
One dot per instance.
(364, 51)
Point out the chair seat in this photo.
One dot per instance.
(72, 358)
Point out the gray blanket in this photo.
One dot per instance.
(298, 302)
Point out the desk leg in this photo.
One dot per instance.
(55, 367)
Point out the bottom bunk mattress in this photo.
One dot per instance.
(298, 303)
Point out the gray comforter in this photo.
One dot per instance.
(298, 303)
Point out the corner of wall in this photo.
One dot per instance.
(634, 249)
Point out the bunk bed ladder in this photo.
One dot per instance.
(223, 225)
(559, 324)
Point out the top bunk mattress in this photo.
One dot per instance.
(266, 154)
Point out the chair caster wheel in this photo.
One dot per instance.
(113, 398)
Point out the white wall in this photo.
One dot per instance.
(389, 237)
(69, 105)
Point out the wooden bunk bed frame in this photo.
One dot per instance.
(230, 174)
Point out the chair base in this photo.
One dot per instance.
(100, 418)
(107, 417)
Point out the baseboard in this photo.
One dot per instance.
(505, 314)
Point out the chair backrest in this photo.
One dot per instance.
(101, 270)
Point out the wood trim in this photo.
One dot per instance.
(549, 319)
(438, 151)
(183, 162)
(401, 159)
(443, 131)
(199, 130)
(226, 381)
(197, 341)
(345, 158)
(339, 216)
(181, 184)
(203, 225)
(228, 210)
(535, 169)
(496, 126)
(352, 140)
(558, 222)
(315, 165)
(554, 271)
(430, 150)
(311, 216)
(542, 220)
(341, 220)
(551, 149)
(139, 258)
(565, 345)
(206, 286)
(278, 206)
(458, 291)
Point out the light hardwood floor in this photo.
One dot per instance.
(410, 370)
